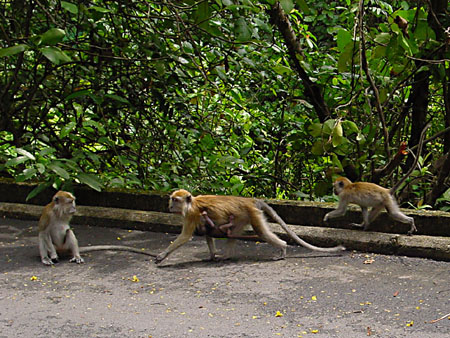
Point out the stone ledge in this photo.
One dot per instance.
(434, 247)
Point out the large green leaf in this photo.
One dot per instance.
(38, 190)
(13, 50)
(52, 36)
(68, 6)
(91, 181)
(241, 30)
(25, 153)
(59, 170)
(67, 129)
(343, 38)
(287, 5)
(16, 161)
(55, 55)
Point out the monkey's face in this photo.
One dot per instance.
(179, 201)
(340, 184)
(64, 203)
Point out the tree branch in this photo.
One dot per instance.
(312, 90)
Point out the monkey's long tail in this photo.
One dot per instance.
(265, 207)
(114, 248)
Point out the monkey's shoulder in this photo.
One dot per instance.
(44, 220)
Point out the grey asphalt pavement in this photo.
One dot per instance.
(121, 294)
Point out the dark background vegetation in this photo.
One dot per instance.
(257, 98)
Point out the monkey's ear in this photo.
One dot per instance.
(189, 198)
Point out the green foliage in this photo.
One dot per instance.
(202, 95)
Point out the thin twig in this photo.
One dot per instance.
(436, 320)
(365, 67)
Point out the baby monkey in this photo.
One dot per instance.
(225, 229)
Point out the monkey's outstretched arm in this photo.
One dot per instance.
(186, 234)
(340, 210)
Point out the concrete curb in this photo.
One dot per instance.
(434, 247)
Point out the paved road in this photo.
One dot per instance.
(120, 294)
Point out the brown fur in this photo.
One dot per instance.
(367, 195)
(220, 209)
(55, 235)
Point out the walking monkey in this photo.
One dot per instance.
(371, 195)
(220, 210)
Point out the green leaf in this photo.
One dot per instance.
(13, 50)
(94, 124)
(55, 55)
(26, 175)
(100, 9)
(303, 6)
(343, 38)
(52, 36)
(46, 151)
(383, 38)
(67, 129)
(12, 162)
(241, 30)
(350, 126)
(78, 93)
(236, 95)
(70, 7)
(346, 56)
(336, 162)
(317, 148)
(282, 70)
(38, 190)
(59, 171)
(337, 134)
(315, 129)
(328, 126)
(25, 153)
(90, 180)
(117, 98)
(287, 5)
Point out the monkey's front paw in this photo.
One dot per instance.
(77, 260)
(325, 218)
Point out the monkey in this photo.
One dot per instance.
(367, 195)
(402, 24)
(55, 234)
(219, 208)
(372, 195)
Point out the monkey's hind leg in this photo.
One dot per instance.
(397, 215)
(365, 223)
(260, 227)
(212, 248)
